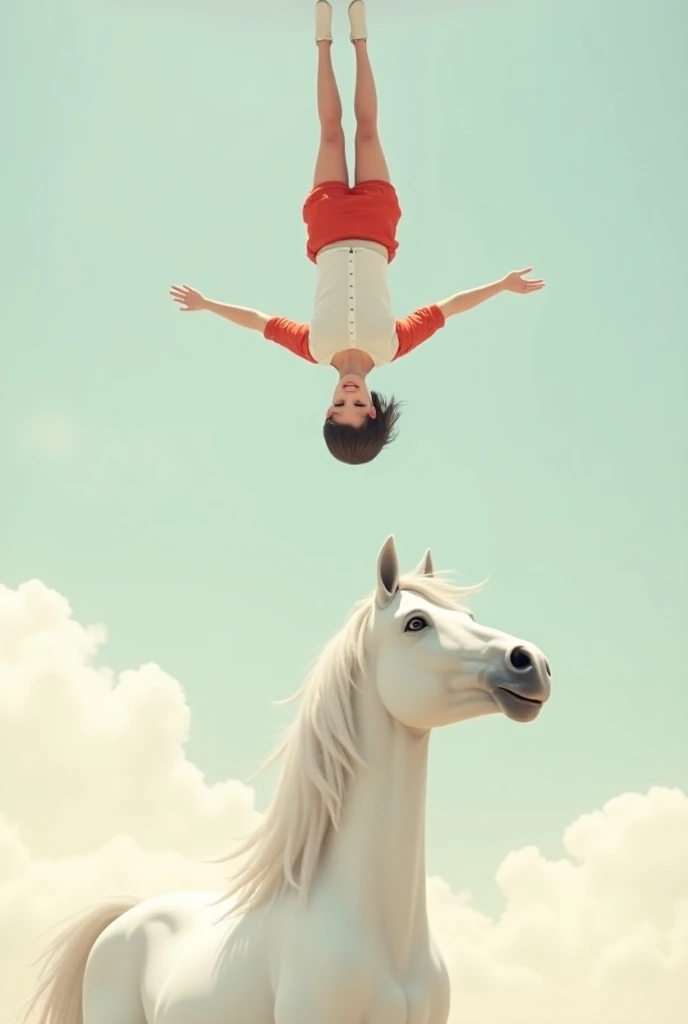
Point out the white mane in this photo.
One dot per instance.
(319, 756)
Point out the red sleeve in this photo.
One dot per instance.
(417, 328)
(289, 335)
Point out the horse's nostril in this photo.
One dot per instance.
(548, 670)
(520, 660)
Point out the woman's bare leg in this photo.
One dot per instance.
(331, 161)
(370, 160)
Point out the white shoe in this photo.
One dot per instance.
(357, 20)
(323, 21)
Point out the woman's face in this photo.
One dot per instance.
(351, 402)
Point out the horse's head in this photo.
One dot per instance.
(412, 652)
(435, 665)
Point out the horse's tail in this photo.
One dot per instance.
(58, 995)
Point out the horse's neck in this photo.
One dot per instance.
(376, 859)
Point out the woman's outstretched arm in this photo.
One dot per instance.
(191, 301)
(514, 282)
(290, 335)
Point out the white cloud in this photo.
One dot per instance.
(97, 797)
(598, 937)
(93, 755)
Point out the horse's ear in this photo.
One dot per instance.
(387, 573)
(426, 568)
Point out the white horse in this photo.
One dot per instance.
(326, 920)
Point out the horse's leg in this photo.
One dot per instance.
(298, 1001)
(112, 984)
(301, 1011)
(113, 1004)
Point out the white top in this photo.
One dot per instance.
(353, 308)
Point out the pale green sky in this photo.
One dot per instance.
(167, 473)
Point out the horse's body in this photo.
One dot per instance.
(326, 922)
(177, 961)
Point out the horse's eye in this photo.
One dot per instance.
(416, 624)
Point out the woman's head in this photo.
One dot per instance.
(359, 424)
(352, 403)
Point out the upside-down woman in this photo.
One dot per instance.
(352, 240)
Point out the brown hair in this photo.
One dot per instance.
(356, 445)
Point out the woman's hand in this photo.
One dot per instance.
(514, 282)
(190, 301)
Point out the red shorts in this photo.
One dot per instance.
(334, 212)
